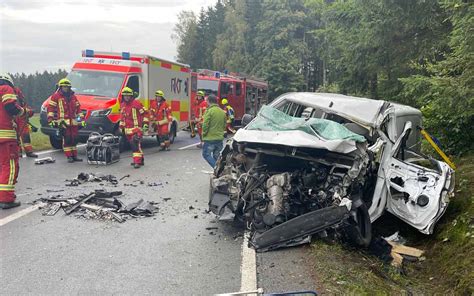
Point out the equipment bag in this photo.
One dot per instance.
(102, 149)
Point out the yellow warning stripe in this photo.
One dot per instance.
(6, 187)
(12, 172)
(8, 97)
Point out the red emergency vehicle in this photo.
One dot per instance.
(245, 94)
(98, 78)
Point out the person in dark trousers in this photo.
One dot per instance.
(213, 129)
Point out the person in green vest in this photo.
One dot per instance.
(213, 129)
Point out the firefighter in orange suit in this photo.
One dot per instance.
(199, 115)
(23, 127)
(160, 114)
(63, 112)
(9, 110)
(133, 123)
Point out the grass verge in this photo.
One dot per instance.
(39, 140)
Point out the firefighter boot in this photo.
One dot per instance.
(70, 159)
(137, 165)
(31, 154)
(74, 158)
(9, 205)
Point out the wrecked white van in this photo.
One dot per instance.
(310, 162)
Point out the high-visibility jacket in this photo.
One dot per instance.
(64, 108)
(132, 117)
(22, 126)
(163, 114)
(200, 110)
(229, 112)
(7, 119)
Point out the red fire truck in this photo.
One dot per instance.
(245, 94)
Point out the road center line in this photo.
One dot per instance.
(248, 267)
(20, 214)
(189, 146)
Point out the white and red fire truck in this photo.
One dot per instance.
(98, 78)
(245, 94)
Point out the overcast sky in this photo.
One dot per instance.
(37, 35)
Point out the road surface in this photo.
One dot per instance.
(171, 253)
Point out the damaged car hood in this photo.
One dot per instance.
(272, 126)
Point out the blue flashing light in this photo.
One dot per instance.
(217, 74)
(89, 53)
(125, 56)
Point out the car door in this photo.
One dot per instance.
(418, 188)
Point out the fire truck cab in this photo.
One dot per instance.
(98, 78)
(245, 94)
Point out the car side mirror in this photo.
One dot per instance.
(246, 119)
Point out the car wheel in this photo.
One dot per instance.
(56, 142)
(359, 230)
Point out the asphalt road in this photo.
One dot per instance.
(170, 253)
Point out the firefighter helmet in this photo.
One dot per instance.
(159, 93)
(6, 77)
(64, 82)
(127, 91)
(224, 101)
(201, 93)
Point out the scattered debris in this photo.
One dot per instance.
(152, 184)
(212, 228)
(166, 198)
(399, 252)
(99, 205)
(44, 160)
(90, 177)
(126, 176)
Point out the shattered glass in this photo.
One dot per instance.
(271, 119)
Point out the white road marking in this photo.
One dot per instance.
(248, 267)
(189, 146)
(20, 214)
(55, 150)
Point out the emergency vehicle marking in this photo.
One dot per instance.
(106, 67)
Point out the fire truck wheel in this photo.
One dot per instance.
(56, 142)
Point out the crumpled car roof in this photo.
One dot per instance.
(272, 126)
(361, 110)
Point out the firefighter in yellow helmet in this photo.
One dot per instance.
(133, 123)
(230, 116)
(160, 115)
(63, 111)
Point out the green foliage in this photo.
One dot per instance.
(417, 52)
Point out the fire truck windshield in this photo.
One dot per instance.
(101, 84)
(208, 86)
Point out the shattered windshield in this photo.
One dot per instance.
(101, 84)
(271, 119)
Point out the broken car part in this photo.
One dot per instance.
(44, 160)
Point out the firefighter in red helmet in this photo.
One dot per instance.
(23, 127)
(133, 123)
(160, 114)
(64, 110)
(9, 110)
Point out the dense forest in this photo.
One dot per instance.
(417, 52)
(38, 87)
